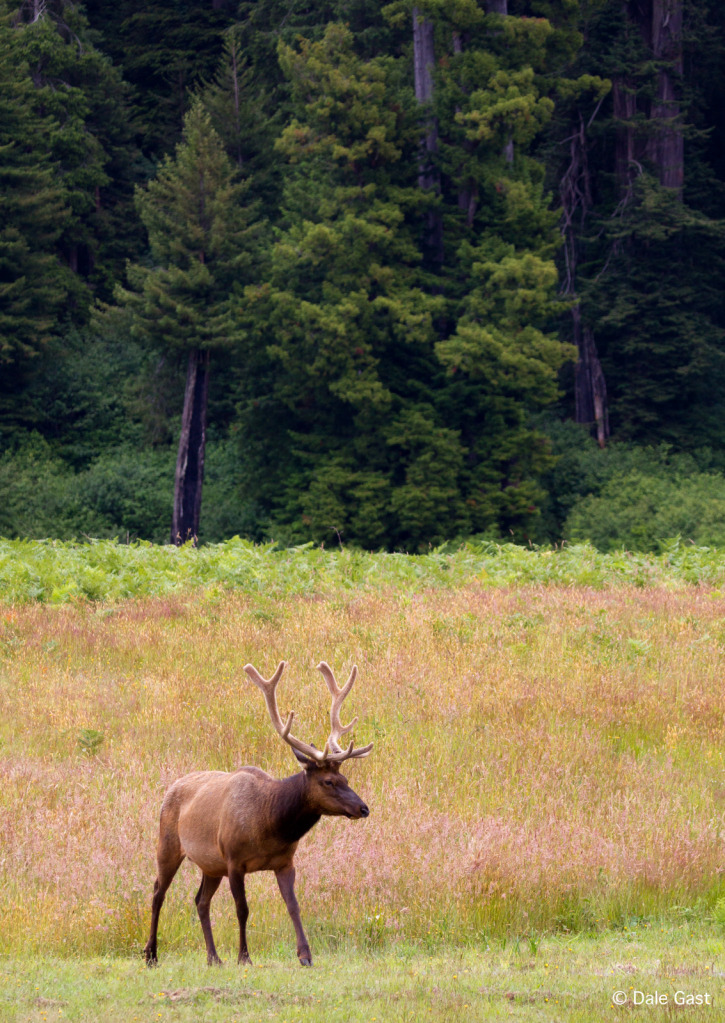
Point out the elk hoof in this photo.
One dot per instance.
(305, 962)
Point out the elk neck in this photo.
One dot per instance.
(292, 814)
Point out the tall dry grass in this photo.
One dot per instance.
(544, 758)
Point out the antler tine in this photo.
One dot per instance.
(268, 687)
(351, 754)
(337, 729)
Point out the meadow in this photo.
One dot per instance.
(546, 790)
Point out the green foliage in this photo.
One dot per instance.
(90, 741)
(125, 493)
(37, 495)
(650, 264)
(354, 321)
(366, 388)
(80, 395)
(32, 212)
(630, 496)
(658, 310)
(637, 511)
(166, 49)
(200, 240)
(247, 122)
(89, 140)
(120, 494)
(107, 570)
(346, 321)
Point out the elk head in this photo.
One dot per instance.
(328, 792)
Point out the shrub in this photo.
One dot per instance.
(637, 511)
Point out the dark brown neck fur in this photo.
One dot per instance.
(293, 816)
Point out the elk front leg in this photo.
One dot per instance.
(236, 883)
(286, 882)
(203, 900)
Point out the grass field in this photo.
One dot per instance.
(571, 979)
(547, 786)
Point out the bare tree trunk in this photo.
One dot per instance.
(428, 178)
(423, 63)
(468, 194)
(590, 387)
(192, 447)
(667, 146)
(625, 108)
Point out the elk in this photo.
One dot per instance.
(235, 824)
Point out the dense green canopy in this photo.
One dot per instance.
(456, 269)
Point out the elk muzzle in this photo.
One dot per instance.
(355, 808)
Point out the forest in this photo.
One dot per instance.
(350, 272)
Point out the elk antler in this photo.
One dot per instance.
(332, 751)
(268, 687)
(337, 729)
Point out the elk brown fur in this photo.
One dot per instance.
(231, 825)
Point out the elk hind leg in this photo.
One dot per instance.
(286, 882)
(203, 899)
(170, 858)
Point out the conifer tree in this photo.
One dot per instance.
(32, 213)
(166, 50)
(245, 119)
(345, 321)
(202, 243)
(399, 437)
(89, 141)
(491, 97)
(645, 253)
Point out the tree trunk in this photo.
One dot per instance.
(590, 388)
(192, 445)
(666, 148)
(428, 178)
(235, 81)
(660, 25)
(497, 7)
(468, 194)
(625, 108)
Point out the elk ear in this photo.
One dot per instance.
(305, 761)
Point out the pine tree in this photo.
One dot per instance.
(202, 246)
(89, 140)
(344, 320)
(246, 121)
(400, 438)
(490, 98)
(166, 49)
(32, 214)
(644, 242)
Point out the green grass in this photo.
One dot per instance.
(568, 978)
(102, 570)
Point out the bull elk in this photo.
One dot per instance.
(231, 825)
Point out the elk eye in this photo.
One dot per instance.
(328, 781)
